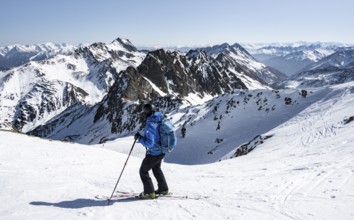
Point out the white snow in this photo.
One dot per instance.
(196, 99)
(248, 81)
(305, 171)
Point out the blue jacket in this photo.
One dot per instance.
(151, 138)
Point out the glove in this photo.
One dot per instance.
(136, 136)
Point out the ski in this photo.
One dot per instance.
(126, 193)
(123, 195)
(121, 198)
(173, 196)
(115, 197)
(118, 195)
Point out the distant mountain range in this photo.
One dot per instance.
(16, 55)
(293, 58)
(334, 69)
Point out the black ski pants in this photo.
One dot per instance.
(154, 163)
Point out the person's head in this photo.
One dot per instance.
(148, 109)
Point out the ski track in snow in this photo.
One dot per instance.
(312, 134)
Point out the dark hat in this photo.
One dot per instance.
(148, 107)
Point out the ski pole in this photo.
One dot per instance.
(121, 172)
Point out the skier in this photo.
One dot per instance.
(154, 155)
(183, 131)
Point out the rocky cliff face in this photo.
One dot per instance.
(238, 61)
(195, 72)
(43, 100)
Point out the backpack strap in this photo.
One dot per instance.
(158, 127)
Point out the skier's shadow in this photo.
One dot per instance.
(80, 203)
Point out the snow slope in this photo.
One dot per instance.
(305, 171)
(224, 123)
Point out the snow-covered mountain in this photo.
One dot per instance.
(16, 55)
(286, 48)
(302, 168)
(90, 72)
(341, 59)
(168, 78)
(291, 58)
(237, 60)
(33, 93)
(334, 69)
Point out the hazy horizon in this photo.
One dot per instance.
(187, 46)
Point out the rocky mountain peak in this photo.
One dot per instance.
(238, 47)
(197, 54)
(124, 43)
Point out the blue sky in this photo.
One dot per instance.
(175, 22)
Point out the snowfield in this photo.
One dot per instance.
(304, 171)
